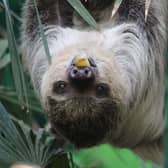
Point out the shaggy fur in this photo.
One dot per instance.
(128, 53)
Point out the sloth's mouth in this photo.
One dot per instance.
(79, 133)
(84, 122)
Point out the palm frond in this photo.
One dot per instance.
(42, 34)
(17, 68)
(116, 6)
(10, 95)
(78, 6)
(20, 144)
(147, 6)
(4, 61)
(12, 13)
(3, 46)
(4, 57)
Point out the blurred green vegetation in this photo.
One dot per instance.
(103, 156)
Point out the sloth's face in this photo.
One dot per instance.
(82, 95)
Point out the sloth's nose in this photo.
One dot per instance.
(82, 72)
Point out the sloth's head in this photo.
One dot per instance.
(83, 96)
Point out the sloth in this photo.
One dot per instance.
(103, 85)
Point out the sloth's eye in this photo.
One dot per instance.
(60, 87)
(102, 90)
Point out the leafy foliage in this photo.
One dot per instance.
(77, 5)
(18, 143)
(17, 68)
(42, 34)
(4, 58)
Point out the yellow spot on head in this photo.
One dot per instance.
(81, 62)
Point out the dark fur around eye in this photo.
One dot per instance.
(102, 90)
(60, 87)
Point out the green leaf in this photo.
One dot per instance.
(147, 6)
(116, 6)
(3, 46)
(42, 34)
(17, 68)
(11, 143)
(12, 13)
(4, 61)
(106, 156)
(20, 144)
(78, 6)
(11, 96)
